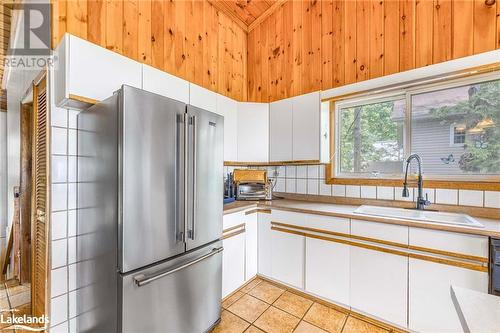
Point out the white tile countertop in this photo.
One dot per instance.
(478, 312)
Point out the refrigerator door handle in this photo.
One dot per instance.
(193, 203)
(186, 171)
(141, 280)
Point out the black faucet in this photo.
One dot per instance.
(421, 202)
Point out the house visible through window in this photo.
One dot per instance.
(453, 126)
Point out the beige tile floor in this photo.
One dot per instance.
(14, 296)
(261, 306)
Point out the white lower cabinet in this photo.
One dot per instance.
(327, 270)
(233, 263)
(430, 305)
(379, 284)
(264, 244)
(287, 258)
(250, 246)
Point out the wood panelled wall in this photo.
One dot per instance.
(187, 38)
(311, 45)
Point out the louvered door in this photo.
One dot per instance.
(40, 203)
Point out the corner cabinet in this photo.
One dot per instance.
(299, 129)
(253, 132)
(228, 108)
(87, 73)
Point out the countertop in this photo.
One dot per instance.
(491, 226)
(478, 312)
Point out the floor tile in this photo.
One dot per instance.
(354, 325)
(11, 283)
(230, 324)
(267, 292)
(3, 293)
(4, 304)
(253, 329)
(248, 308)
(325, 317)
(275, 320)
(305, 327)
(17, 290)
(251, 285)
(231, 299)
(294, 304)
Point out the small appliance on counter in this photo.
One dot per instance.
(229, 189)
(252, 184)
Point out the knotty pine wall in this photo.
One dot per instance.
(311, 45)
(187, 38)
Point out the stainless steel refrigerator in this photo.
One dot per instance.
(149, 215)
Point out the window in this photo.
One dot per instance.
(451, 125)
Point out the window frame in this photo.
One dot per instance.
(453, 126)
(481, 182)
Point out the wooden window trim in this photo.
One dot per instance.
(477, 184)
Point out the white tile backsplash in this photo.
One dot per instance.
(58, 310)
(59, 283)
(59, 117)
(59, 253)
(72, 195)
(72, 142)
(72, 167)
(291, 185)
(72, 223)
(280, 185)
(398, 194)
(470, 198)
(72, 250)
(59, 172)
(59, 197)
(352, 191)
(72, 118)
(325, 189)
(301, 171)
(338, 190)
(385, 193)
(59, 140)
(313, 186)
(59, 225)
(62, 328)
(492, 199)
(313, 171)
(291, 171)
(301, 186)
(446, 196)
(369, 192)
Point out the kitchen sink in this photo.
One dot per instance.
(419, 215)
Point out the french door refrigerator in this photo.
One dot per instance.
(149, 215)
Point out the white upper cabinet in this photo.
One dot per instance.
(280, 130)
(202, 98)
(306, 127)
(228, 108)
(253, 132)
(162, 83)
(89, 72)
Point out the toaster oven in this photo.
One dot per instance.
(253, 191)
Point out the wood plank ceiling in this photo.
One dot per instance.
(245, 12)
(5, 18)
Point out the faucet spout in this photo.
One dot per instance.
(420, 202)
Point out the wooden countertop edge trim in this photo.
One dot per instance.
(471, 266)
(463, 230)
(384, 242)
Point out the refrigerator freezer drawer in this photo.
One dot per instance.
(181, 295)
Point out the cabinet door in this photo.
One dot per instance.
(306, 127)
(253, 132)
(233, 263)
(251, 246)
(264, 244)
(431, 308)
(162, 83)
(280, 130)
(228, 108)
(95, 72)
(379, 284)
(287, 258)
(327, 270)
(202, 98)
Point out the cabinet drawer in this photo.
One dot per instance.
(472, 245)
(234, 219)
(380, 231)
(321, 222)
